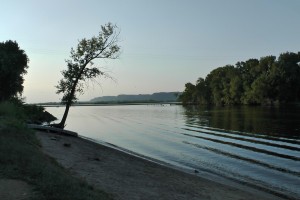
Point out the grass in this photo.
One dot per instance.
(21, 158)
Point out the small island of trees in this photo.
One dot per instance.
(253, 82)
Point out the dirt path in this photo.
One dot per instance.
(128, 177)
(11, 189)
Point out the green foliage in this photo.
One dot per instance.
(264, 81)
(37, 114)
(11, 111)
(13, 65)
(25, 113)
(188, 96)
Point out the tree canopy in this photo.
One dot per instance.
(264, 81)
(13, 66)
(80, 66)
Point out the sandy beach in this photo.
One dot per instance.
(129, 177)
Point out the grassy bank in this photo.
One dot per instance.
(21, 158)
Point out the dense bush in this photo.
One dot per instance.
(25, 112)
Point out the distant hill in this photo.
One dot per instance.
(155, 97)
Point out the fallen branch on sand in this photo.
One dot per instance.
(52, 129)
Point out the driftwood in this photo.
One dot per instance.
(52, 129)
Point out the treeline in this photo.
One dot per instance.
(256, 82)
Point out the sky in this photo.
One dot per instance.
(164, 43)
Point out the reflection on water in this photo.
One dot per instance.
(276, 121)
(255, 145)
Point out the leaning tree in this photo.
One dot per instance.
(81, 67)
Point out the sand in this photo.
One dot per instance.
(129, 177)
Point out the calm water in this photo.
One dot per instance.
(256, 145)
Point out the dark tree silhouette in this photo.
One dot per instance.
(80, 65)
(13, 65)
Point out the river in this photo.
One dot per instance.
(258, 146)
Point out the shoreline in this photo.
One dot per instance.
(218, 178)
(127, 176)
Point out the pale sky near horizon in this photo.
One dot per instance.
(165, 43)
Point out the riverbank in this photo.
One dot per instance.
(25, 171)
(128, 177)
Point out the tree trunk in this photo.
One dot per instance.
(62, 123)
(69, 102)
(63, 120)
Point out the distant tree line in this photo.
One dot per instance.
(256, 82)
(140, 98)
